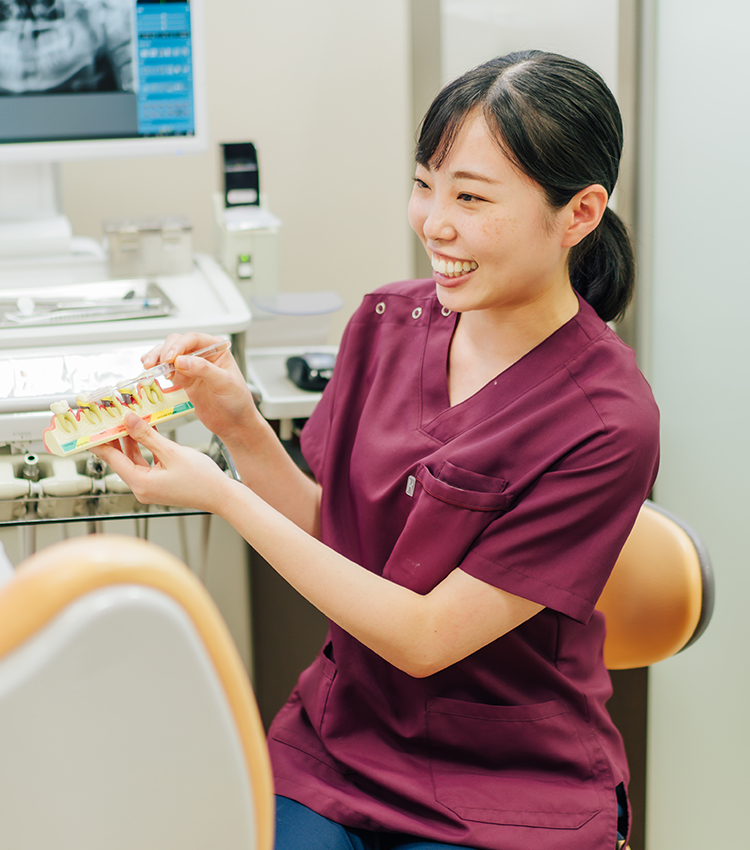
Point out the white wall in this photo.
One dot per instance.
(322, 89)
(477, 30)
(699, 741)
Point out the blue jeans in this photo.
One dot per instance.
(299, 828)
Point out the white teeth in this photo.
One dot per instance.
(452, 268)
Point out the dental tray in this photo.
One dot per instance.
(112, 300)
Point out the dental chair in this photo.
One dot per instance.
(126, 716)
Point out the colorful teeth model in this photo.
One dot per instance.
(100, 422)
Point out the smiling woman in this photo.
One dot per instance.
(557, 122)
(480, 456)
(499, 252)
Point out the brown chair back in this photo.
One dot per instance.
(659, 597)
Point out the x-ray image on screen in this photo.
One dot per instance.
(56, 46)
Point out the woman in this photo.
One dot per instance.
(480, 457)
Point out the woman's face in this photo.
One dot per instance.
(493, 240)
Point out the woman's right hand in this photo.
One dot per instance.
(216, 387)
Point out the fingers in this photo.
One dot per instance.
(179, 476)
(124, 454)
(104, 451)
(130, 448)
(198, 367)
(220, 377)
(176, 344)
(124, 457)
(115, 458)
(141, 433)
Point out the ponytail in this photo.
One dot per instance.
(602, 268)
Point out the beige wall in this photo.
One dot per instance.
(323, 90)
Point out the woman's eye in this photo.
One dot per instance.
(465, 196)
(420, 183)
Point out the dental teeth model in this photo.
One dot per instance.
(101, 414)
(97, 422)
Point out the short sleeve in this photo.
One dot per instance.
(559, 541)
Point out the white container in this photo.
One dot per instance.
(153, 246)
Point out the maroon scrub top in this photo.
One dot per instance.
(531, 485)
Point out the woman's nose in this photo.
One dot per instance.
(438, 225)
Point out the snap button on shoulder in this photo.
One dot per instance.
(446, 312)
(416, 313)
(380, 308)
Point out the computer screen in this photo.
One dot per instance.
(83, 78)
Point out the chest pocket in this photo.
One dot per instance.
(451, 507)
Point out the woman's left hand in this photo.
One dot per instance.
(180, 476)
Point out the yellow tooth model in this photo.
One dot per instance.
(102, 420)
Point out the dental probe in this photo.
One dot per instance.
(169, 367)
(150, 374)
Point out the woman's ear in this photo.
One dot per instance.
(584, 212)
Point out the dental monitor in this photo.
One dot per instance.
(88, 79)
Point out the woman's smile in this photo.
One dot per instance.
(451, 268)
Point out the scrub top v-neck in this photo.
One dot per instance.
(531, 485)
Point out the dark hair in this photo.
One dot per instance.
(558, 122)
